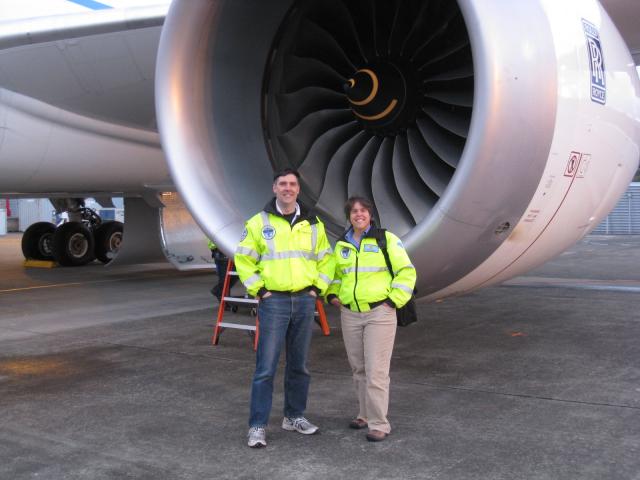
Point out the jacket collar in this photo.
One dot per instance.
(305, 214)
(371, 233)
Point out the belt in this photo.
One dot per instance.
(373, 305)
(304, 291)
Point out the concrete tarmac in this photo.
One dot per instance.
(110, 374)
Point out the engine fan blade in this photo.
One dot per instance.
(336, 19)
(432, 171)
(454, 120)
(359, 183)
(298, 141)
(389, 203)
(465, 71)
(302, 72)
(293, 107)
(415, 194)
(460, 45)
(314, 168)
(446, 145)
(335, 193)
(435, 34)
(316, 42)
(461, 97)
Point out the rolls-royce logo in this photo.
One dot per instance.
(596, 63)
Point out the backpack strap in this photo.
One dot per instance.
(381, 240)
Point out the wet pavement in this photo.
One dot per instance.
(109, 374)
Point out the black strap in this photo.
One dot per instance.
(381, 240)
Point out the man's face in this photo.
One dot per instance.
(286, 189)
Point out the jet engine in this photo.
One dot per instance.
(490, 135)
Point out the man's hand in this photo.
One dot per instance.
(266, 295)
(313, 293)
(335, 302)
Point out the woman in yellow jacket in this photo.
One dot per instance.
(368, 295)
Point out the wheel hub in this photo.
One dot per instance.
(45, 245)
(114, 242)
(78, 245)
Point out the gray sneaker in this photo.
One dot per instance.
(300, 425)
(257, 437)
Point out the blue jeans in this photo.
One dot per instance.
(283, 318)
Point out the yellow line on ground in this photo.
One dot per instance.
(140, 275)
(55, 285)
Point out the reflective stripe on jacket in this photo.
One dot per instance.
(361, 275)
(277, 256)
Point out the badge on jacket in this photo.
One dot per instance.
(268, 232)
(345, 252)
(371, 248)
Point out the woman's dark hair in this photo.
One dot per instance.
(362, 201)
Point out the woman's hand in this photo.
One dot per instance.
(335, 302)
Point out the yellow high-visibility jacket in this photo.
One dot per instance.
(362, 277)
(274, 255)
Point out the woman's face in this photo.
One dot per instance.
(359, 217)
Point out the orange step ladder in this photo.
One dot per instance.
(252, 329)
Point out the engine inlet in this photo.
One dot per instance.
(376, 95)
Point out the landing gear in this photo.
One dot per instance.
(37, 241)
(79, 241)
(108, 238)
(73, 244)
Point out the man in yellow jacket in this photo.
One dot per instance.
(284, 259)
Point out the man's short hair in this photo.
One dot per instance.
(284, 172)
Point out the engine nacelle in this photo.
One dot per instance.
(490, 135)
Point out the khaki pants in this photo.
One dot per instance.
(368, 338)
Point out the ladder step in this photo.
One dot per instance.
(249, 301)
(237, 325)
(240, 300)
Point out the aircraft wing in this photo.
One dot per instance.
(77, 118)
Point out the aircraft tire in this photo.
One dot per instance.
(73, 244)
(37, 241)
(108, 237)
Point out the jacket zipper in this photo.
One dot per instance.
(355, 285)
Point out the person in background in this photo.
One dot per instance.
(222, 263)
(368, 295)
(284, 259)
